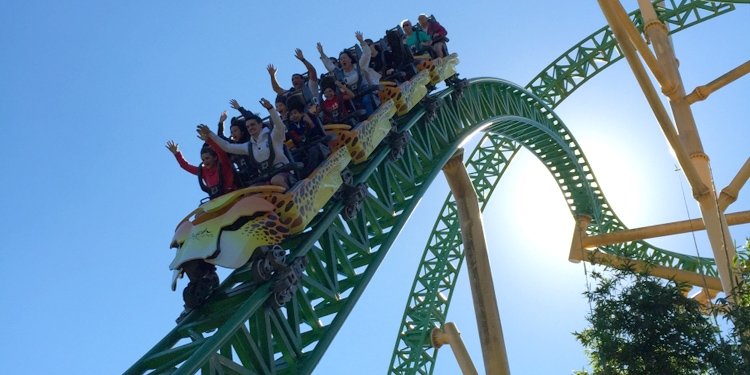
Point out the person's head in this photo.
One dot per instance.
(393, 39)
(346, 60)
(208, 156)
(373, 47)
(422, 21)
(254, 125)
(297, 80)
(238, 132)
(281, 104)
(296, 109)
(295, 115)
(406, 26)
(328, 86)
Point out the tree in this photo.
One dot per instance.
(642, 324)
(738, 311)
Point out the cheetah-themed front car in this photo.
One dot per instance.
(248, 225)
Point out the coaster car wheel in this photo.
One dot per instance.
(268, 261)
(353, 199)
(288, 282)
(458, 85)
(261, 269)
(431, 105)
(397, 142)
(197, 292)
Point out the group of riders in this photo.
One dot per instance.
(293, 141)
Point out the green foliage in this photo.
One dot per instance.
(642, 324)
(738, 311)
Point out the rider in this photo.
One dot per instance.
(356, 74)
(306, 133)
(215, 174)
(306, 90)
(436, 32)
(244, 172)
(335, 107)
(418, 40)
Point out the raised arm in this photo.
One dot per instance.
(370, 74)
(236, 105)
(312, 74)
(174, 148)
(220, 153)
(220, 127)
(278, 131)
(217, 143)
(274, 83)
(364, 60)
(326, 61)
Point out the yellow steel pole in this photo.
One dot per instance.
(652, 231)
(478, 265)
(451, 336)
(610, 11)
(702, 92)
(692, 278)
(729, 194)
(684, 139)
(716, 224)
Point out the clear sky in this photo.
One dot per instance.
(91, 91)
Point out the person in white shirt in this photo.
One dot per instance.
(265, 147)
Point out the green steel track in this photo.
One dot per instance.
(236, 333)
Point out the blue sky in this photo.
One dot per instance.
(91, 91)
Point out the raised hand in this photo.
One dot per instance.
(172, 147)
(234, 103)
(223, 116)
(271, 70)
(266, 104)
(320, 48)
(298, 54)
(359, 36)
(203, 131)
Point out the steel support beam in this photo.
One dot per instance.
(451, 336)
(478, 265)
(660, 230)
(683, 138)
(702, 92)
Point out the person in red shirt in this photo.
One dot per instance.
(334, 107)
(436, 32)
(215, 174)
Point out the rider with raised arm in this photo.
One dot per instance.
(244, 172)
(265, 147)
(215, 174)
(359, 77)
(308, 92)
